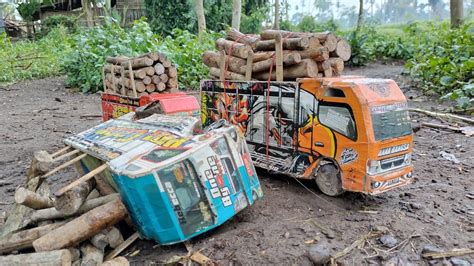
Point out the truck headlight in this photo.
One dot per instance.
(407, 160)
(373, 167)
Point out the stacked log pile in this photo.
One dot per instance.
(277, 55)
(145, 74)
(77, 225)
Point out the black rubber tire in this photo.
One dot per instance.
(329, 181)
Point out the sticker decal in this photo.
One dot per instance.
(348, 155)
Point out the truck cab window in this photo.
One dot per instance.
(308, 106)
(339, 118)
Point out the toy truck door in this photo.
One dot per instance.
(268, 118)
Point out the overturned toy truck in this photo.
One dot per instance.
(175, 184)
(348, 133)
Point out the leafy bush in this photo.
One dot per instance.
(309, 24)
(33, 59)
(185, 50)
(83, 65)
(49, 23)
(443, 61)
(253, 22)
(362, 53)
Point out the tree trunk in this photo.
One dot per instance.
(200, 17)
(276, 22)
(83, 227)
(337, 65)
(456, 10)
(236, 10)
(360, 17)
(51, 258)
(31, 199)
(24, 239)
(235, 64)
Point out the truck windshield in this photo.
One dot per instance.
(187, 196)
(390, 121)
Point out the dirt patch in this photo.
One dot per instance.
(293, 216)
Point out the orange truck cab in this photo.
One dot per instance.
(348, 133)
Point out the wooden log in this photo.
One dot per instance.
(314, 43)
(24, 239)
(142, 94)
(138, 74)
(150, 71)
(118, 261)
(91, 255)
(260, 56)
(317, 54)
(288, 44)
(159, 69)
(139, 85)
(343, 50)
(102, 185)
(32, 200)
(172, 72)
(155, 79)
(150, 87)
(40, 164)
(327, 38)
(236, 36)
(164, 60)
(122, 246)
(337, 65)
(327, 73)
(228, 74)
(146, 80)
(288, 59)
(233, 48)
(75, 253)
(70, 202)
(83, 227)
(153, 56)
(116, 60)
(306, 68)
(113, 69)
(52, 213)
(172, 83)
(234, 64)
(138, 62)
(324, 65)
(100, 240)
(93, 195)
(114, 237)
(51, 258)
(164, 78)
(161, 86)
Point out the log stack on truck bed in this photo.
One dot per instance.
(277, 55)
(142, 75)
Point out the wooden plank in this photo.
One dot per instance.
(222, 65)
(279, 58)
(66, 164)
(122, 246)
(66, 155)
(82, 179)
(249, 67)
(60, 151)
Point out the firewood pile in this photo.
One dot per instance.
(78, 224)
(277, 55)
(142, 75)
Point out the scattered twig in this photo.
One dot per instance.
(90, 116)
(452, 253)
(46, 109)
(442, 115)
(358, 243)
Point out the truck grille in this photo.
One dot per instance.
(392, 163)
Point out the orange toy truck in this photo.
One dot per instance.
(347, 133)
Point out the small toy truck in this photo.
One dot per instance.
(348, 133)
(175, 183)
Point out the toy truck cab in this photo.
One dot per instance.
(175, 184)
(348, 133)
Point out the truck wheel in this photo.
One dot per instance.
(329, 181)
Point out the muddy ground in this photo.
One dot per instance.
(283, 228)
